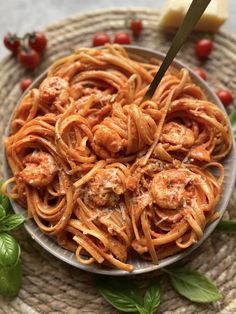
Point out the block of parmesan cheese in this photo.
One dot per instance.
(215, 15)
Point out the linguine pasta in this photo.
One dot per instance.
(108, 174)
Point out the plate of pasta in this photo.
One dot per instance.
(113, 184)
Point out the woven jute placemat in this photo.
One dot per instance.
(51, 286)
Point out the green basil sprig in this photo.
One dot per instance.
(10, 222)
(125, 296)
(4, 201)
(2, 212)
(152, 297)
(10, 280)
(228, 226)
(9, 250)
(193, 285)
(10, 267)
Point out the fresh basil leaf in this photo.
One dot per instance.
(11, 221)
(232, 118)
(152, 297)
(141, 309)
(10, 280)
(2, 213)
(9, 250)
(121, 293)
(4, 201)
(193, 285)
(228, 226)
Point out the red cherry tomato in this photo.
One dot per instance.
(28, 58)
(12, 42)
(25, 83)
(225, 96)
(200, 73)
(136, 26)
(203, 48)
(38, 41)
(100, 39)
(122, 38)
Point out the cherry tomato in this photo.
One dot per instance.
(25, 83)
(136, 26)
(100, 39)
(200, 73)
(203, 48)
(29, 58)
(12, 42)
(38, 41)
(225, 96)
(122, 38)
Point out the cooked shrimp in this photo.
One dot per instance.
(106, 139)
(200, 153)
(51, 88)
(40, 169)
(168, 187)
(105, 188)
(76, 91)
(177, 134)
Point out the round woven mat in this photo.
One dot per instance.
(51, 286)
